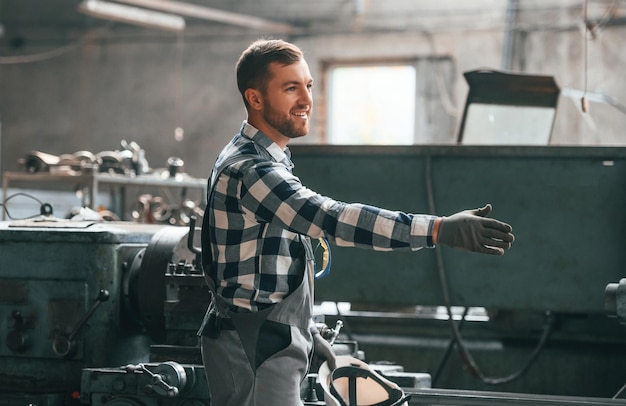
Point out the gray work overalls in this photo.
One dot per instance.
(260, 358)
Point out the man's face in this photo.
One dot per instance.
(288, 101)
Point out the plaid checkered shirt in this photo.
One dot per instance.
(260, 215)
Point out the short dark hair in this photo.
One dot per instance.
(253, 64)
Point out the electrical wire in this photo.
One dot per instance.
(584, 103)
(589, 34)
(606, 17)
(179, 132)
(446, 100)
(53, 53)
(44, 207)
(466, 356)
(449, 347)
(42, 56)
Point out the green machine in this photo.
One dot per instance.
(535, 319)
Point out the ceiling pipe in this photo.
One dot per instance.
(213, 14)
(509, 34)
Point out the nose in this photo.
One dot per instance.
(306, 97)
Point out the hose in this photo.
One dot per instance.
(466, 356)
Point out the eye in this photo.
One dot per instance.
(291, 88)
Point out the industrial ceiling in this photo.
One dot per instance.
(51, 22)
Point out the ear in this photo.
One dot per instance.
(254, 98)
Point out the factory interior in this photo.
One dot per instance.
(113, 112)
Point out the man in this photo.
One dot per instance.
(258, 335)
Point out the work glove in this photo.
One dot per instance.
(323, 351)
(470, 230)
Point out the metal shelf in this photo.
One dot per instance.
(93, 181)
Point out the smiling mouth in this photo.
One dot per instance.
(300, 114)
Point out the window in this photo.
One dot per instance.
(371, 104)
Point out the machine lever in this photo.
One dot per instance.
(192, 229)
(159, 385)
(330, 334)
(336, 330)
(17, 339)
(190, 237)
(64, 346)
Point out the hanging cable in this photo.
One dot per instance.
(466, 356)
(53, 53)
(444, 95)
(589, 34)
(179, 132)
(449, 348)
(45, 209)
(584, 103)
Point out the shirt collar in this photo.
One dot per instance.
(263, 140)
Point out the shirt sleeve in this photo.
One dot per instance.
(271, 193)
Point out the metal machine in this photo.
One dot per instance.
(76, 295)
(566, 206)
(105, 313)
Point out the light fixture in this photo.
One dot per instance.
(508, 109)
(213, 14)
(132, 15)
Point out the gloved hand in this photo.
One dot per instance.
(323, 350)
(470, 230)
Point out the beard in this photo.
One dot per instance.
(284, 124)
